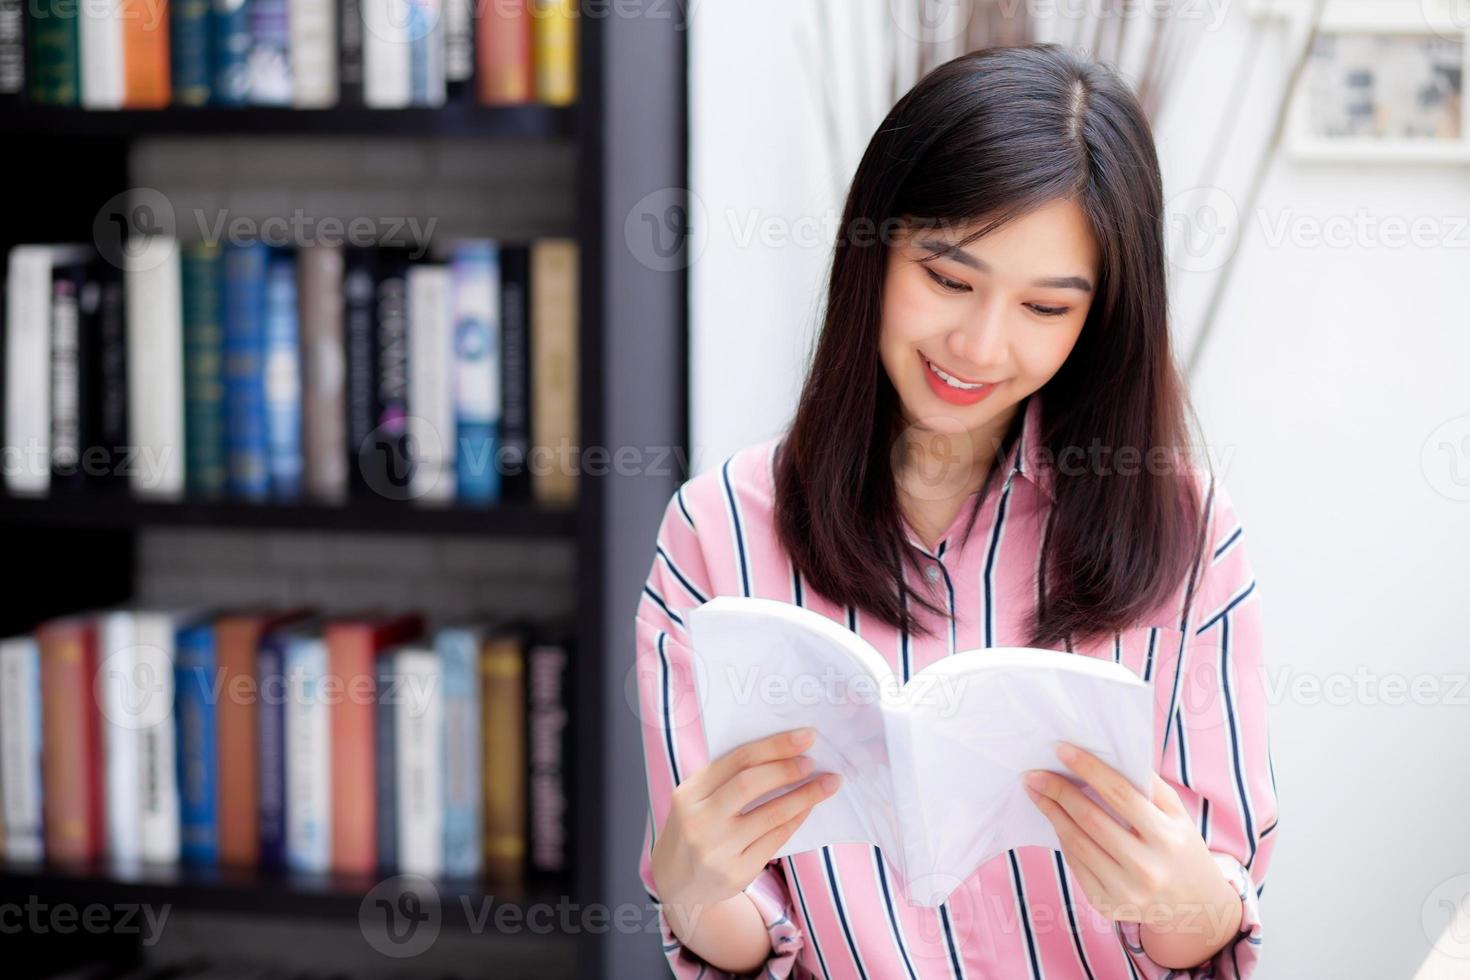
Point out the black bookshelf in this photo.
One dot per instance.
(629, 131)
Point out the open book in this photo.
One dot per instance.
(931, 769)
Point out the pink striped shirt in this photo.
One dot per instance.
(834, 912)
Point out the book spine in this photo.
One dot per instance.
(351, 650)
(232, 43)
(20, 748)
(12, 50)
(504, 703)
(419, 732)
(431, 392)
(270, 53)
(158, 744)
(390, 475)
(349, 54)
(324, 404)
(67, 282)
(459, 651)
(124, 708)
(145, 45)
(554, 32)
(426, 52)
(244, 346)
(206, 470)
(70, 743)
(313, 53)
(270, 666)
(55, 46)
(386, 55)
(309, 803)
(189, 38)
(459, 43)
(549, 717)
(515, 370)
(194, 674)
(90, 353)
(28, 369)
(477, 402)
(237, 738)
(156, 372)
(554, 359)
(112, 368)
(282, 379)
(913, 861)
(503, 53)
(100, 37)
(385, 744)
(362, 389)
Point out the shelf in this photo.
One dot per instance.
(462, 903)
(468, 120)
(509, 519)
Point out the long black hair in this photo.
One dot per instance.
(981, 140)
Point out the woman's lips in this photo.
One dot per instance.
(950, 393)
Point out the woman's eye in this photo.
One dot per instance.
(946, 283)
(1049, 310)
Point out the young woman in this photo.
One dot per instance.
(990, 450)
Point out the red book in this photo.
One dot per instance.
(506, 67)
(352, 643)
(71, 741)
(237, 637)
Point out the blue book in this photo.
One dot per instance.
(206, 470)
(270, 53)
(188, 48)
(20, 707)
(194, 674)
(270, 676)
(231, 50)
(308, 755)
(283, 378)
(459, 652)
(475, 278)
(244, 347)
(385, 741)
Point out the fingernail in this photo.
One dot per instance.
(804, 735)
(1066, 752)
(830, 781)
(804, 764)
(1035, 782)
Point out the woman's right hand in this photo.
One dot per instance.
(708, 851)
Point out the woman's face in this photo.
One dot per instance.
(968, 333)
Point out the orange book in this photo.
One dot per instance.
(145, 54)
(503, 699)
(504, 62)
(71, 741)
(352, 642)
(237, 637)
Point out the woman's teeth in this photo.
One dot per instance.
(952, 381)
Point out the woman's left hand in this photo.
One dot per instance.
(1159, 873)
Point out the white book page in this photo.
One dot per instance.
(981, 719)
(763, 667)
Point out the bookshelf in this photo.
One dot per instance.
(628, 132)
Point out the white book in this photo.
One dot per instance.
(418, 743)
(931, 769)
(313, 53)
(308, 757)
(99, 29)
(158, 739)
(124, 694)
(20, 748)
(155, 371)
(387, 75)
(28, 364)
(430, 384)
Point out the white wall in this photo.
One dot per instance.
(1331, 367)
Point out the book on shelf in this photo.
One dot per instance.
(763, 667)
(289, 740)
(238, 371)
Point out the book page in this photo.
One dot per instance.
(763, 667)
(989, 716)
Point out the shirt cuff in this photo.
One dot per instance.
(786, 938)
(1236, 960)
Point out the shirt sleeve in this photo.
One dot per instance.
(1216, 750)
(674, 744)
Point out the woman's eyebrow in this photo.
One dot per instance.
(953, 251)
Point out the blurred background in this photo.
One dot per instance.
(367, 339)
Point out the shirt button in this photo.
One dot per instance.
(932, 573)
